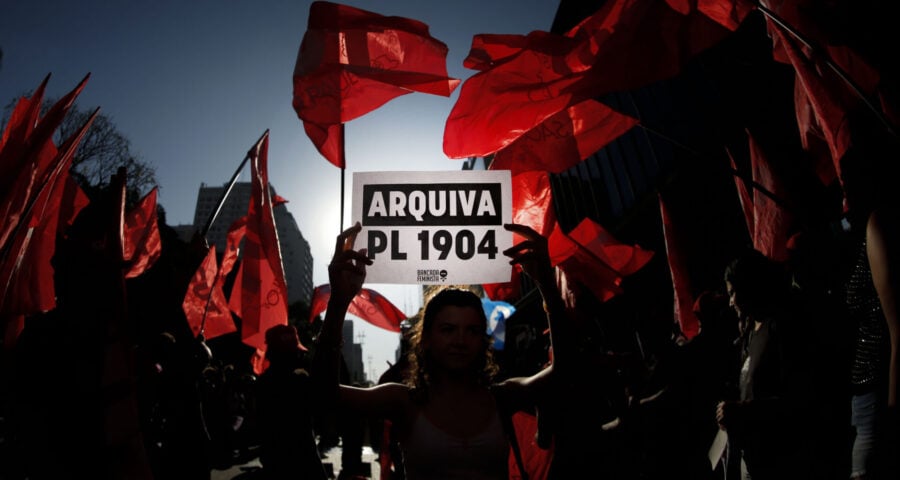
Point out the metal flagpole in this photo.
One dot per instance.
(234, 177)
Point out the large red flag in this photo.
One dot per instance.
(259, 294)
(564, 139)
(352, 61)
(368, 305)
(625, 45)
(142, 244)
(681, 282)
(26, 272)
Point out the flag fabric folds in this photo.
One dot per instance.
(259, 293)
(352, 61)
(591, 257)
(625, 45)
(142, 245)
(678, 269)
(26, 273)
(204, 305)
(564, 139)
(368, 305)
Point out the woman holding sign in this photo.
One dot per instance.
(450, 414)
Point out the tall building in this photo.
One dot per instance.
(295, 252)
(353, 357)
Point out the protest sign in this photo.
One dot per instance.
(434, 228)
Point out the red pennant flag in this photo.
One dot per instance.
(143, 245)
(625, 45)
(564, 139)
(490, 49)
(681, 282)
(259, 294)
(352, 61)
(21, 123)
(368, 305)
(26, 272)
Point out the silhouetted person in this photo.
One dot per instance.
(285, 410)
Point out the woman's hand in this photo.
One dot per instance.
(347, 270)
(532, 255)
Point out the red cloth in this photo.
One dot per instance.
(143, 245)
(564, 139)
(259, 293)
(368, 305)
(625, 45)
(352, 61)
(678, 268)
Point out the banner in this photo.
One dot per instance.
(434, 228)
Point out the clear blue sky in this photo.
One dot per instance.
(194, 83)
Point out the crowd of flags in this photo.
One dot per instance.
(532, 106)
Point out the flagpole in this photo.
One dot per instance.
(833, 66)
(221, 202)
(343, 169)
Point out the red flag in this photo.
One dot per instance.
(259, 293)
(25, 161)
(352, 61)
(26, 272)
(143, 245)
(743, 197)
(564, 139)
(625, 259)
(536, 460)
(625, 45)
(204, 305)
(532, 205)
(589, 256)
(681, 282)
(823, 100)
(19, 127)
(368, 305)
(771, 223)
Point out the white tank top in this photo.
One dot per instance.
(430, 453)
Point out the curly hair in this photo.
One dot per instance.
(418, 375)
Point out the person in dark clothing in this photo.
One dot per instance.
(284, 410)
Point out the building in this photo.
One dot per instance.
(353, 357)
(295, 252)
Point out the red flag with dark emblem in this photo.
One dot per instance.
(259, 293)
(565, 139)
(368, 305)
(142, 244)
(352, 61)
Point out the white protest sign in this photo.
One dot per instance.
(434, 227)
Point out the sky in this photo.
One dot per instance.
(193, 84)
